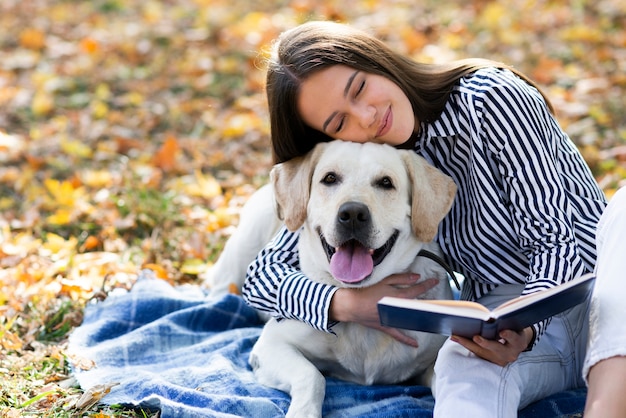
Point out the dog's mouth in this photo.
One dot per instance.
(352, 262)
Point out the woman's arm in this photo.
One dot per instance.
(543, 178)
(545, 184)
(275, 284)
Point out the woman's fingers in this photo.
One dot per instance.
(501, 352)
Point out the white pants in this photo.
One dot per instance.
(607, 322)
(466, 385)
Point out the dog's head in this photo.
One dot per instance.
(365, 208)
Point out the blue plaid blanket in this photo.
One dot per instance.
(178, 351)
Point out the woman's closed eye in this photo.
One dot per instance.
(359, 89)
(342, 119)
(340, 124)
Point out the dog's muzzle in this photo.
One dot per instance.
(353, 262)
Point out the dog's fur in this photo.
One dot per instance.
(258, 223)
(346, 192)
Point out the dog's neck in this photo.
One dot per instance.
(442, 263)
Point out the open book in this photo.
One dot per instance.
(467, 319)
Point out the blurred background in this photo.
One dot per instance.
(132, 131)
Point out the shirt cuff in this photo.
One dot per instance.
(531, 344)
(328, 324)
(303, 299)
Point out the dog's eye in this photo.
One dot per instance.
(329, 178)
(385, 183)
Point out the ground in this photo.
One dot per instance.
(131, 132)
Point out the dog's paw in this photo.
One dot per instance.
(307, 406)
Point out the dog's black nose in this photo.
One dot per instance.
(353, 215)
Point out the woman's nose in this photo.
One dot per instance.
(365, 114)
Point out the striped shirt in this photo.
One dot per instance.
(525, 213)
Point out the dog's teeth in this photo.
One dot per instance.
(371, 251)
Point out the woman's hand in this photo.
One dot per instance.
(360, 304)
(501, 352)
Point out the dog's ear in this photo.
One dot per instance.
(432, 194)
(292, 187)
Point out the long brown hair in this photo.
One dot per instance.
(314, 46)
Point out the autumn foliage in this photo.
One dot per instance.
(131, 132)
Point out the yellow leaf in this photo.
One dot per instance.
(152, 12)
(238, 124)
(6, 203)
(99, 109)
(60, 217)
(255, 27)
(206, 186)
(56, 243)
(134, 98)
(63, 192)
(42, 104)
(493, 15)
(32, 38)
(103, 91)
(220, 218)
(193, 266)
(599, 115)
(96, 179)
(76, 149)
(584, 33)
(11, 341)
(7, 326)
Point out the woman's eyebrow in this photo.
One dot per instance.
(349, 83)
(345, 94)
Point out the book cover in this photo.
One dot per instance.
(467, 319)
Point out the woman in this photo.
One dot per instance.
(523, 220)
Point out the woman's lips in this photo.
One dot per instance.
(386, 123)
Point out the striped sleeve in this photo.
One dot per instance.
(275, 284)
(527, 145)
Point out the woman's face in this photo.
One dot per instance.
(356, 106)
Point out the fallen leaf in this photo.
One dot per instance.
(94, 394)
(32, 38)
(165, 157)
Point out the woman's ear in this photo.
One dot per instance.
(292, 187)
(432, 195)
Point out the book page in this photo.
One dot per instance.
(448, 307)
(526, 300)
(457, 304)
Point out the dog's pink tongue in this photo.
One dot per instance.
(351, 263)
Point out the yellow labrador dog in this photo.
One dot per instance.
(364, 212)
